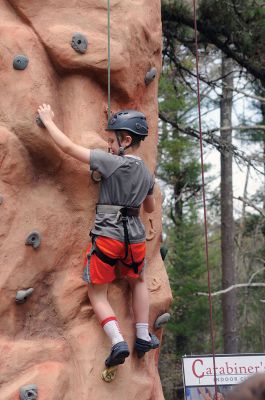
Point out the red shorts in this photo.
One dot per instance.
(98, 272)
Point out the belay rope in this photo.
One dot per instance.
(124, 217)
(93, 176)
(204, 200)
(109, 109)
(202, 175)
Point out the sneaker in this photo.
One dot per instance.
(118, 354)
(143, 346)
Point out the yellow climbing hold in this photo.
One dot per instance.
(109, 374)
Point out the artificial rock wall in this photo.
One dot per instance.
(53, 340)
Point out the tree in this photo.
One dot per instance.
(179, 168)
(234, 26)
(227, 219)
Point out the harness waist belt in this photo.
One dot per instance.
(113, 209)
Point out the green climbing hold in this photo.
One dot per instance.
(163, 252)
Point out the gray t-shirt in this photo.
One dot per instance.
(126, 182)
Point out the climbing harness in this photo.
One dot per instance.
(122, 213)
(204, 198)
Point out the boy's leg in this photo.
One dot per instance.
(98, 295)
(140, 304)
(97, 274)
(145, 341)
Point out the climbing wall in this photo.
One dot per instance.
(51, 345)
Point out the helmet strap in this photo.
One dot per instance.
(121, 148)
(121, 151)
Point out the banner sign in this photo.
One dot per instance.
(198, 371)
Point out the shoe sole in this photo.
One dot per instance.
(118, 359)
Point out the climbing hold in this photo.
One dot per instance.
(95, 176)
(161, 320)
(20, 62)
(39, 121)
(1, 200)
(33, 239)
(79, 43)
(150, 76)
(163, 252)
(29, 392)
(151, 232)
(109, 374)
(22, 295)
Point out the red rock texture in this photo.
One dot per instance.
(54, 340)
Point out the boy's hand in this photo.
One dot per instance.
(46, 114)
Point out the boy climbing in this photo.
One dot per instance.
(118, 235)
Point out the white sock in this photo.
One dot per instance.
(142, 331)
(111, 328)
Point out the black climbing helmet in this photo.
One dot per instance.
(129, 120)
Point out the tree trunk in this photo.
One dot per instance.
(227, 220)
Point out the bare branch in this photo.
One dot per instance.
(251, 96)
(209, 137)
(241, 128)
(215, 82)
(251, 204)
(255, 273)
(232, 287)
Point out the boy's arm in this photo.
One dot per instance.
(149, 203)
(63, 142)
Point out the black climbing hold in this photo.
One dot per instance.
(29, 392)
(150, 76)
(22, 295)
(161, 320)
(1, 200)
(95, 176)
(79, 43)
(33, 239)
(163, 252)
(39, 121)
(20, 62)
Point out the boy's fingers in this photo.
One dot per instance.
(45, 107)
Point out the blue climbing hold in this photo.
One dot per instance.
(33, 239)
(29, 392)
(20, 62)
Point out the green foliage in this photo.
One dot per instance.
(179, 167)
(239, 23)
(237, 28)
